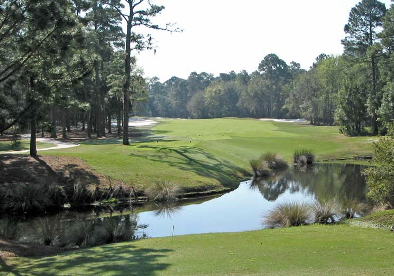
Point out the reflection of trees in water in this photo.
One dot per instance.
(166, 209)
(325, 181)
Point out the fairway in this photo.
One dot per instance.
(308, 250)
(210, 155)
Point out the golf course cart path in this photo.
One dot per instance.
(57, 145)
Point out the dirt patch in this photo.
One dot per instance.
(10, 249)
(48, 182)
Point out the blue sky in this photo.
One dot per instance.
(224, 35)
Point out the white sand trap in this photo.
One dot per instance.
(141, 122)
(284, 120)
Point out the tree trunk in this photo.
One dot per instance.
(33, 131)
(90, 123)
(118, 121)
(374, 100)
(64, 126)
(67, 119)
(126, 86)
(109, 123)
(53, 122)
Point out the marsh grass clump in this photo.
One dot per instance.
(98, 232)
(352, 207)
(48, 230)
(9, 228)
(325, 211)
(267, 164)
(27, 197)
(287, 215)
(163, 191)
(303, 157)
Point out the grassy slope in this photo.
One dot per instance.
(24, 145)
(310, 250)
(210, 154)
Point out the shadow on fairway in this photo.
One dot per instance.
(120, 259)
(198, 161)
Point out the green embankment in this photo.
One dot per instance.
(210, 154)
(309, 250)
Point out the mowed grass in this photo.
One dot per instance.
(307, 250)
(210, 154)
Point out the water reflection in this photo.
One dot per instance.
(342, 182)
(166, 209)
(239, 210)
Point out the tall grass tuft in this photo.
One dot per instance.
(48, 230)
(303, 157)
(350, 208)
(267, 164)
(163, 191)
(27, 197)
(287, 215)
(9, 228)
(325, 212)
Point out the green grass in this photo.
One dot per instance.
(23, 145)
(307, 250)
(211, 154)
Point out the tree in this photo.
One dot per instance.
(362, 29)
(276, 72)
(140, 13)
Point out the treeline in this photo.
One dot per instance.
(354, 90)
(69, 62)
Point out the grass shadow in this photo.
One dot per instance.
(198, 161)
(119, 259)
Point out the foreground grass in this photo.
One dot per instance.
(214, 154)
(23, 145)
(309, 250)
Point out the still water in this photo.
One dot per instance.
(240, 210)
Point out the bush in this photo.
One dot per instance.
(380, 177)
(303, 157)
(267, 164)
(325, 212)
(163, 191)
(287, 215)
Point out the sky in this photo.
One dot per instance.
(220, 36)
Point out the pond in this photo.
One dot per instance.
(240, 210)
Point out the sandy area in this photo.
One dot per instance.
(284, 120)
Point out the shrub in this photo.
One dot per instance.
(303, 157)
(163, 191)
(287, 215)
(325, 212)
(380, 177)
